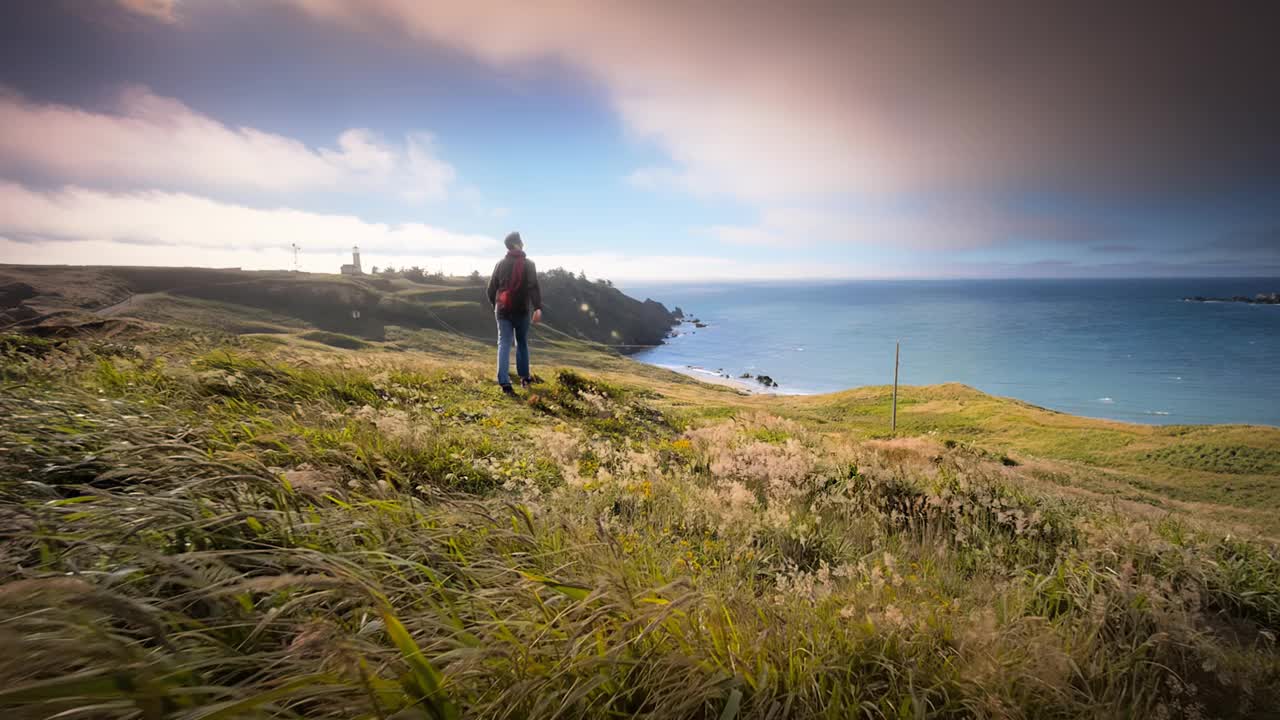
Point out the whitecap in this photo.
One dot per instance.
(1157, 412)
(1106, 401)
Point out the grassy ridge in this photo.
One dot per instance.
(243, 302)
(208, 526)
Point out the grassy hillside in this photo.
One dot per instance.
(203, 523)
(359, 306)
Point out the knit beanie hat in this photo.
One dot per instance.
(514, 242)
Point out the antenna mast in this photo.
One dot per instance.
(295, 256)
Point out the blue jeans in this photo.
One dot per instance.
(507, 327)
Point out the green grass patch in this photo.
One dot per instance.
(337, 340)
(1227, 459)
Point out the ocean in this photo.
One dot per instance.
(1130, 350)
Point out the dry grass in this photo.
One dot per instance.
(267, 530)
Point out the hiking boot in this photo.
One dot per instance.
(526, 382)
(506, 390)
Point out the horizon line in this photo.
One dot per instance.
(715, 280)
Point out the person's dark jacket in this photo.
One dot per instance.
(526, 298)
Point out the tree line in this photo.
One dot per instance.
(416, 274)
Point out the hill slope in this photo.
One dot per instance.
(361, 306)
(201, 523)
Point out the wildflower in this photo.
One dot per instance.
(877, 578)
(894, 616)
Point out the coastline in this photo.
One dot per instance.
(711, 377)
(1158, 360)
(750, 385)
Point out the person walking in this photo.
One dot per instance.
(517, 301)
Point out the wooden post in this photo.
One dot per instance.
(897, 347)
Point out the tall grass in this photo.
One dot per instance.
(228, 535)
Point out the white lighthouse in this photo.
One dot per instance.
(354, 267)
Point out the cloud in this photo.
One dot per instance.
(157, 222)
(162, 10)
(426, 177)
(106, 252)
(155, 141)
(619, 267)
(662, 178)
(1261, 239)
(630, 267)
(1126, 269)
(753, 236)
(949, 225)
(83, 226)
(773, 101)
(1114, 249)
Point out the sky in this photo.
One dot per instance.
(646, 141)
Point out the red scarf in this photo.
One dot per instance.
(517, 271)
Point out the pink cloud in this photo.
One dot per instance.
(162, 10)
(773, 101)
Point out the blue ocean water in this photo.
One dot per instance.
(1122, 349)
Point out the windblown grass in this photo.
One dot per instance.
(223, 533)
